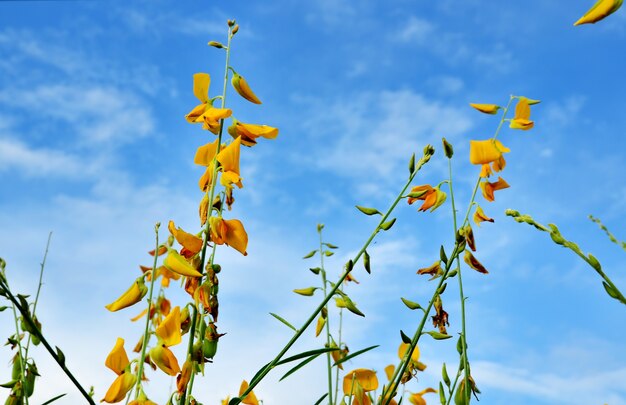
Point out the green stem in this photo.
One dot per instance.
(464, 359)
(211, 194)
(146, 334)
(427, 154)
(328, 340)
(339, 345)
(20, 352)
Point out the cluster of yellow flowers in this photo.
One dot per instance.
(191, 261)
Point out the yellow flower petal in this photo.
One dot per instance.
(187, 240)
(480, 216)
(229, 157)
(117, 360)
(165, 360)
(473, 262)
(201, 82)
(241, 86)
(389, 370)
(365, 378)
(599, 11)
(231, 232)
(250, 398)
(487, 151)
(168, 330)
(488, 188)
(120, 387)
(404, 347)
(250, 132)
(486, 108)
(178, 264)
(132, 296)
(205, 154)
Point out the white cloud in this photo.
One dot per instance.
(42, 162)
(416, 30)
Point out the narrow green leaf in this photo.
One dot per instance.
(308, 353)
(366, 262)
(9, 384)
(442, 395)
(353, 355)
(594, 262)
(445, 376)
(352, 307)
(234, 401)
(3, 308)
(329, 253)
(412, 164)
(368, 211)
(23, 301)
(387, 225)
(331, 246)
(404, 337)
(319, 401)
(437, 335)
(315, 270)
(299, 366)
(283, 321)
(310, 254)
(258, 374)
(410, 304)
(53, 399)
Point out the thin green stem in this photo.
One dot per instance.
(211, 194)
(464, 359)
(427, 154)
(338, 345)
(146, 332)
(328, 340)
(42, 267)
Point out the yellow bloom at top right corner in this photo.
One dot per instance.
(599, 11)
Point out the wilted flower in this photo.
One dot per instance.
(488, 188)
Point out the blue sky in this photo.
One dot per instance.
(94, 147)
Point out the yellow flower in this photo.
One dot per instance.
(132, 296)
(117, 360)
(250, 132)
(165, 360)
(488, 188)
(188, 241)
(178, 264)
(389, 370)
(142, 400)
(402, 349)
(120, 387)
(486, 108)
(229, 160)
(182, 380)
(206, 153)
(204, 112)
(432, 197)
(229, 232)
(434, 270)
(522, 115)
(480, 216)
(600, 10)
(416, 398)
(241, 86)
(484, 152)
(365, 378)
(168, 332)
(250, 398)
